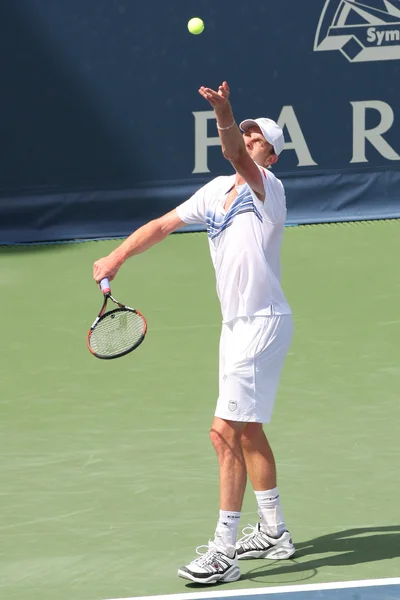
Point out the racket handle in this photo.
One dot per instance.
(105, 286)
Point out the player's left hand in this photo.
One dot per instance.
(218, 98)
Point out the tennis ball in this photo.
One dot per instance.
(195, 26)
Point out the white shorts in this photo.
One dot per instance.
(252, 354)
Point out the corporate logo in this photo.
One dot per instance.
(363, 30)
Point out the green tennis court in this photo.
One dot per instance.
(109, 481)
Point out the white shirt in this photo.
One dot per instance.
(245, 244)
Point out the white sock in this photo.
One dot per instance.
(270, 512)
(226, 531)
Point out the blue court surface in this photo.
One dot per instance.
(372, 589)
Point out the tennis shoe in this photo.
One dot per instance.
(257, 544)
(212, 566)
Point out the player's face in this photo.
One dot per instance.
(261, 151)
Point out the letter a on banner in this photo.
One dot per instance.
(288, 119)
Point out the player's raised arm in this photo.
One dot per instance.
(233, 145)
(255, 146)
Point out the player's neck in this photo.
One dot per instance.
(239, 180)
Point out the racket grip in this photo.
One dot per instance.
(105, 286)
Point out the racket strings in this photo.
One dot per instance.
(117, 332)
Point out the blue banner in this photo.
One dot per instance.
(103, 127)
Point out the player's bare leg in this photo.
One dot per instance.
(269, 538)
(219, 563)
(260, 460)
(226, 439)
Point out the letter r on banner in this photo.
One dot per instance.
(374, 135)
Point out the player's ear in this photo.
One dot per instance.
(271, 160)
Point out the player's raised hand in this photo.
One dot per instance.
(216, 98)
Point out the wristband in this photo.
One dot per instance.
(225, 128)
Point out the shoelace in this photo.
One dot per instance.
(209, 555)
(248, 532)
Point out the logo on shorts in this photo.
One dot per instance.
(363, 30)
(232, 405)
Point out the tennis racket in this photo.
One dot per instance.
(115, 332)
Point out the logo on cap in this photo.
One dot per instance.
(363, 30)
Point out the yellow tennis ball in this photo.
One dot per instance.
(196, 26)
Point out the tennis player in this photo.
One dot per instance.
(245, 215)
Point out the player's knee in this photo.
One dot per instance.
(217, 440)
(224, 440)
(251, 433)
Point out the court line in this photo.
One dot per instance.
(339, 585)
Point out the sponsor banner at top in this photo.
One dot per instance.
(363, 30)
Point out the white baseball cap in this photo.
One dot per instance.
(270, 130)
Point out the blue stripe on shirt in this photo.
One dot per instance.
(244, 203)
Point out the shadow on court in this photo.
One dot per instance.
(345, 548)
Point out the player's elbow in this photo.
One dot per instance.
(235, 155)
(231, 154)
(161, 229)
(168, 223)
